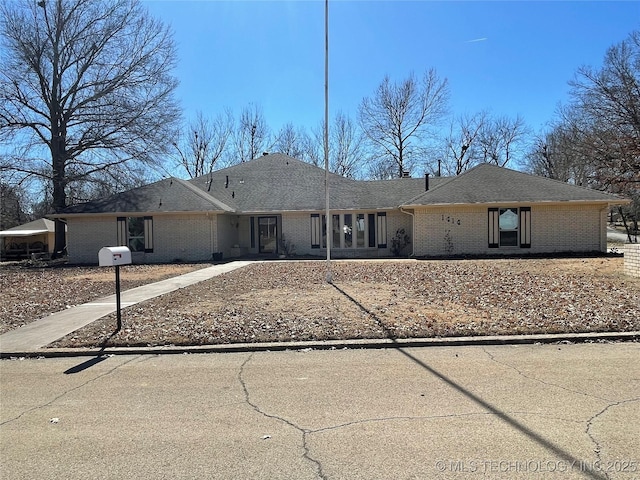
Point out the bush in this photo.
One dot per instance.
(399, 242)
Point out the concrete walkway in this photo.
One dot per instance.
(42, 332)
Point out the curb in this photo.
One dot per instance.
(330, 345)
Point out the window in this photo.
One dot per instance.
(135, 229)
(510, 227)
(350, 230)
(335, 229)
(135, 233)
(360, 225)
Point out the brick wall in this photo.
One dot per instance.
(184, 237)
(86, 236)
(632, 260)
(463, 230)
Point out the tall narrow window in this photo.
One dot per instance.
(382, 230)
(335, 224)
(135, 229)
(360, 230)
(316, 232)
(348, 230)
(509, 227)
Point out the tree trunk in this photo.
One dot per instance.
(624, 222)
(58, 155)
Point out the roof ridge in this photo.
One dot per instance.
(204, 195)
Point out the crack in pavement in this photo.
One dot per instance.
(428, 417)
(597, 446)
(305, 447)
(538, 438)
(66, 392)
(611, 403)
(549, 384)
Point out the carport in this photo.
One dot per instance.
(23, 241)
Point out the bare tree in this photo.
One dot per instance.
(346, 149)
(86, 83)
(559, 153)
(12, 206)
(462, 149)
(608, 100)
(501, 139)
(291, 141)
(313, 147)
(397, 117)
(251, 135)
(204, 143)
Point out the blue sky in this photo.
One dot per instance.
(511, 58)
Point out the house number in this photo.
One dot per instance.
(450, 219)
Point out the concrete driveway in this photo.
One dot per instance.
(492, 412)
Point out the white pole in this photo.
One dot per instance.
(329, 277)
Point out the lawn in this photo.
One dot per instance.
(290, 300)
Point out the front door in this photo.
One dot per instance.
(268, 231)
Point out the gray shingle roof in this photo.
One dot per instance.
(492, 184)
(277, 183)
(168, 195)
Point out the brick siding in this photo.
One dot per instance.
(184, 237)
(632, 260)
(554, 228)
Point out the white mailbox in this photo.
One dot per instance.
(114, 256)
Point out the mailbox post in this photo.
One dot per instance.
(114, 257)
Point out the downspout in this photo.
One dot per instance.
(413, 231)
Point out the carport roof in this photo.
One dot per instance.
(42, 225)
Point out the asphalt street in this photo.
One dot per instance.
(564, 411)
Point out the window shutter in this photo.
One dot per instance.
(525, 227)
(315, 230)
(372, 229)
(121, 231)
(382, 230)
(148, 234)
(253, 232)
(494, 228)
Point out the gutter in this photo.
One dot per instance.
(413, 231)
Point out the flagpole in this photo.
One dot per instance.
(329, 277)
